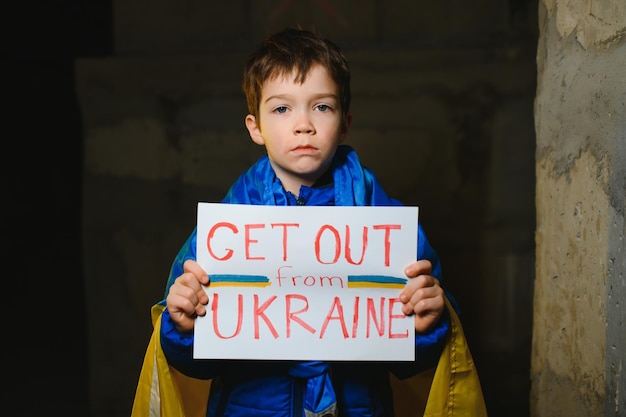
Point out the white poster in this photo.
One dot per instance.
(305, 283)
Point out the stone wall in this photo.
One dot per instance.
(580, 289)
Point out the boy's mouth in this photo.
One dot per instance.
(304, 148)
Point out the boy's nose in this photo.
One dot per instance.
(304, 125)
(305, 129)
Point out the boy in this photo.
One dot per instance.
(297, 86)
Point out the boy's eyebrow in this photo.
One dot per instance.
(315, 96)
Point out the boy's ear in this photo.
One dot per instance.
(347, 121)
(254, 130)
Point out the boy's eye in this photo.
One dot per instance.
(281, 109)
(323, 107)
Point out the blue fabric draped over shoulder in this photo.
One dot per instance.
(353, 185)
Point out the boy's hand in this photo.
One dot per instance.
(422, 296)
(186, 299)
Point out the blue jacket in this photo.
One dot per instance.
(311, 388)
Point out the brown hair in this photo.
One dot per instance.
(299, 50)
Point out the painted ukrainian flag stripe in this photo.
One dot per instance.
(375, 281)
(228, 280)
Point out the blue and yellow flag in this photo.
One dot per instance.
(454, 390)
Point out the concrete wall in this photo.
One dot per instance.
(578, 350)
(443, 112)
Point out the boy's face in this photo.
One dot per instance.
(300, 126)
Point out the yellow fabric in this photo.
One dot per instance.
(162, 391)
(451, 389)
(455, 389)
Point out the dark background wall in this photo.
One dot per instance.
(467, 75)
(47, 358)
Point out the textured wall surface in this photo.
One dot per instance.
(580, 289)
